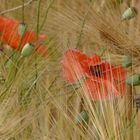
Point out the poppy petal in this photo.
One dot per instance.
(111, 72)
(103, 81)
(42, 50)
(95, 59)
(99, 89)
(10, 36)
(119, 73)
(75, 65)
(102, 68)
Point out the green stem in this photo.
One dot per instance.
(38, 17)
(37, 33)
(46, 15)
(82, 26)
(22, 11)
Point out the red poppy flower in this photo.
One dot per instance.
(10, 36)
(102, 79)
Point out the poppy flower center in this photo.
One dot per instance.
(96, 71)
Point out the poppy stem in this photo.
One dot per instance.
(130, 107)
(37, 33)
(38, 18)
(103, 51)
(82, 26)
(81, 32)
(22, 11)
(15, 8)
(46, 15)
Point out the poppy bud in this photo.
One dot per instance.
(129, 13)
(27, 50)
(21, 29)
(127, 61)
(133, 80)
(83, 117)
(137, 100)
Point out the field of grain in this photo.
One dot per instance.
(51, 97)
